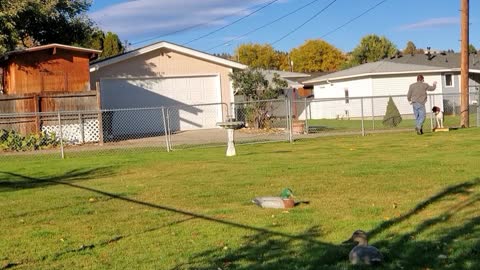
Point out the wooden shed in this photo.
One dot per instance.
(48, 68)
(39, 81)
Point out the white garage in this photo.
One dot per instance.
(136, 103)
(163, 75)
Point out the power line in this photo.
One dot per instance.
(265, 25)
(301, 25)
(193, 26)
(241, 18)
(353, 19)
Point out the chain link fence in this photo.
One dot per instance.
(265, 121)
(67, 134)
(361, 115)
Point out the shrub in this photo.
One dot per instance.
(253, 85)
(13, 141)
(392, 117)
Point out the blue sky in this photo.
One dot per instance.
(433, 23)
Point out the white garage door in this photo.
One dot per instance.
(177, 93)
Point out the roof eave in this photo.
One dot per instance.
(171, 46)
(52, 46)
(314, 81)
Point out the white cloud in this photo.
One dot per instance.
(141, 18)
(431, 23)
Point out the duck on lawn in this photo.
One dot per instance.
(285, 200)
(362, 253)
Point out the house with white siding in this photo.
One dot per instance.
(375, 82)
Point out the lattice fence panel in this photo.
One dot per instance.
(86, 132)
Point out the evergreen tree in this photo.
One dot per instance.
(392, 117)
(96, 40)
(472, 49)
(111, 45)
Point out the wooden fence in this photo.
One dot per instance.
(22, 113)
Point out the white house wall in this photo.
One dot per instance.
(398, 85)
(339, 108)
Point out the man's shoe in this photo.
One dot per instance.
(419, 132)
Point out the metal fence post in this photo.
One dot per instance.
(478, 108)
(305, 111)
(289, 120)
(167, 143)
(310, 110)
(62, 151)
(169, 140)
(232, 111)
(363, 126)
(373, 115)
(478, 115)
(82, 128)
(431, 113)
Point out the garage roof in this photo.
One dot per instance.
(52, 46)
(376, 68)
(96, 65)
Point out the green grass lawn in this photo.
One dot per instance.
(417, 196)
(326, 125)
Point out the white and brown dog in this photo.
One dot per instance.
(438, 117)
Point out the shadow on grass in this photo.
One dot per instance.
(454, 245)
(449, 239)
(12, 181)
(17, 181)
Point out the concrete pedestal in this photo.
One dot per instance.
(230, 126)
(231, 143)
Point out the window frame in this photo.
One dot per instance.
(452, 84)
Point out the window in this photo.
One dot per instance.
(448, 80)
(346, 96)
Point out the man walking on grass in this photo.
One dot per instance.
(417, 97)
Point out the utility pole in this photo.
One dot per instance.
(464, 70)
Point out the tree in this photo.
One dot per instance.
(316, 55)
(224, 56)
(257, 55)
(34, 22)
(252, 84)
(392, 116)
(410, 48)
(111, 45)
(8, 34)
(472, 49)
(372, 48)
(282, 61)
(108, 43)
(96, 40)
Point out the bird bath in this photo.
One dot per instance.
(230, 126)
